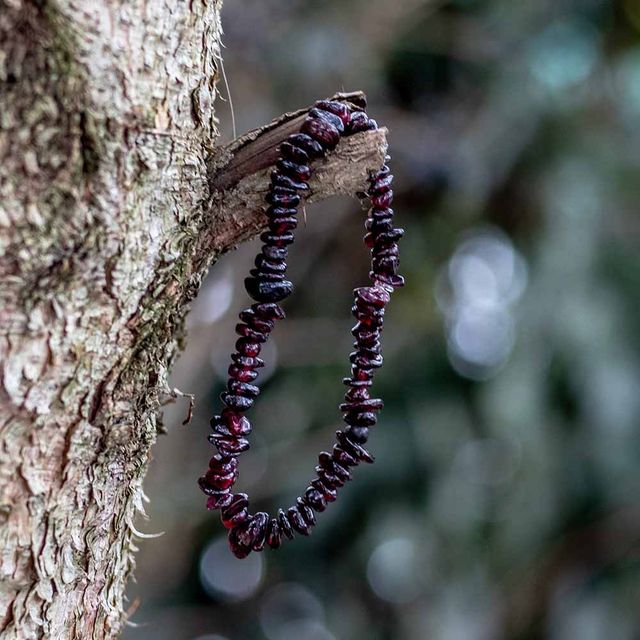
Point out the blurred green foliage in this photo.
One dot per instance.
(505, 501)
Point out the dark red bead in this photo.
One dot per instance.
(324, 132)
(282, 225)
(237, 512)
(315, 499)
(250, 333)
(360, 121)
(388, 237)
(220, 481)
(222, 465)
(229, 445)
(358, 434)
(285, 525)
(244, 375)
(282, 198)
(275, 253)
(354, 382)
(297, 521)
(365, 404)
(276, 240)
(328, 477)
(280, 180)
(372, 295)
(328, 117)
(254, 533)
(361, 418)
(219, 500)
(236, 424)
(382, 200)
(297, 171)
(244, 361)
(338, 108)
(328, 491)
(274, 534)
(331, 466)
(343, 457)
(293, 153)
(381, 184)
(364, 361)
(310, 146)
(243, 389)
(380, 214)
(269, 310)
(306, 512)
(238, 548)
(235, 401)
(393, 281)
(353, 447)
(260, 275)
(265, 291)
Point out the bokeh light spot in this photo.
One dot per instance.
(224, 577)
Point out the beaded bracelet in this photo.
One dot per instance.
(319, 134)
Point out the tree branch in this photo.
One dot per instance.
(240, 177)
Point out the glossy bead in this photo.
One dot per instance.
(315, 499)
(270, 310)
(275, 253)
(285, 525)
(294, 153)
(236, 424)
(250, 333)
(244, 361)
(382, 200)
(343, 457)
(280, 180)
(223, 465)
(274, 534)
(238, 548)
(254, 533)
(360, 121)
(338, 108)
(324, 132)
(328, 117)
(327, 490)
(276, 240)
(237, 512)
(268, 291)
(367, 404)
(297, 171)
(359, 435)
(219, 500)
(310, 146)
(235, 401)
(282, 198)
(306, 512)
(229, 445)
(354, 448)
(243, 389)
(297, 521)
(372, 295)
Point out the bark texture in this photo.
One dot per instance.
(113, 203)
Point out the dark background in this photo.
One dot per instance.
(505, 501)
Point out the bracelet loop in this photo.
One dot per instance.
(319, 134)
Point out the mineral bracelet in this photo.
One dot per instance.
(319, 134)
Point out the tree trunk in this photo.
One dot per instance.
(113, 203)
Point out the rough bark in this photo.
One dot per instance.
(113, 203)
